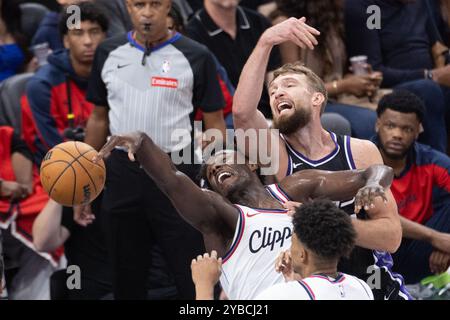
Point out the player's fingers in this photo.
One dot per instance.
(199, 257)
(279, 261)
(312, 30)
(131, 155)
(365, 198)
(105, 151)
(361, 199)
(193, 262)
(432, 262)
(380, 192)
(372, 193)
(292, 37)
(304, 30)
(214, 254)
(441, 262)
(358, 201)
(87, 209)
(206, 255)
(300, 36)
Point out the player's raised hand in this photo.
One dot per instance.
(439, 262)
(365, 198)
(291, 207)
(284, 265)
(131, 141)
(83, 215)
(292, 29)
(206, 272)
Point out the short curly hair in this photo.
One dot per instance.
(402, 101)
(89, 11)
(324, 229)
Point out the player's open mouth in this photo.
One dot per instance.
(221, 177)
(284, 105)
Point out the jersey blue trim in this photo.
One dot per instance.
(310, 294)
(348, 153)
(283, 192)
(153, 49)
(238, 238)
(316, 163)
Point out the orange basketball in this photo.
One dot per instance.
(69, 176)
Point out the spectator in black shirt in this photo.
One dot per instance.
(401, 50)
(231, 32)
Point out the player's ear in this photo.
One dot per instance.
(318, 99)
(377, 125)
(303, 255)
(421, 129)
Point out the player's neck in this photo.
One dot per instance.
(327, 270)
(312, 141)
(255, 196)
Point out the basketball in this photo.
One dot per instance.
(69, 176)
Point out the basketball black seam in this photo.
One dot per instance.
(96, 164)
(69, 166)
(65, 161)
(56, 180)
(81, 155)
(92, 180)
(76, 147)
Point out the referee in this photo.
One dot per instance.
(152, 80)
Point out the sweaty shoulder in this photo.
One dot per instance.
(365, 153)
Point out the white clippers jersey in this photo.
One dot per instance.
(249, 265)
(319, 287)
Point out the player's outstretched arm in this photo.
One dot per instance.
(365, 184)
(251, 82)
(204, 210)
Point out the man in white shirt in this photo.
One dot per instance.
(322, 235)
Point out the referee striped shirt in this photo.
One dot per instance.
(159, 97)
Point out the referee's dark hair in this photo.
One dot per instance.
(89, 11)
(324, 229)
(402, 101)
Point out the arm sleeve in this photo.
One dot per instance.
(67, 220)
(18, 145)
(363, 41)
(207, 92)
(39, 97)
(96, 91)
